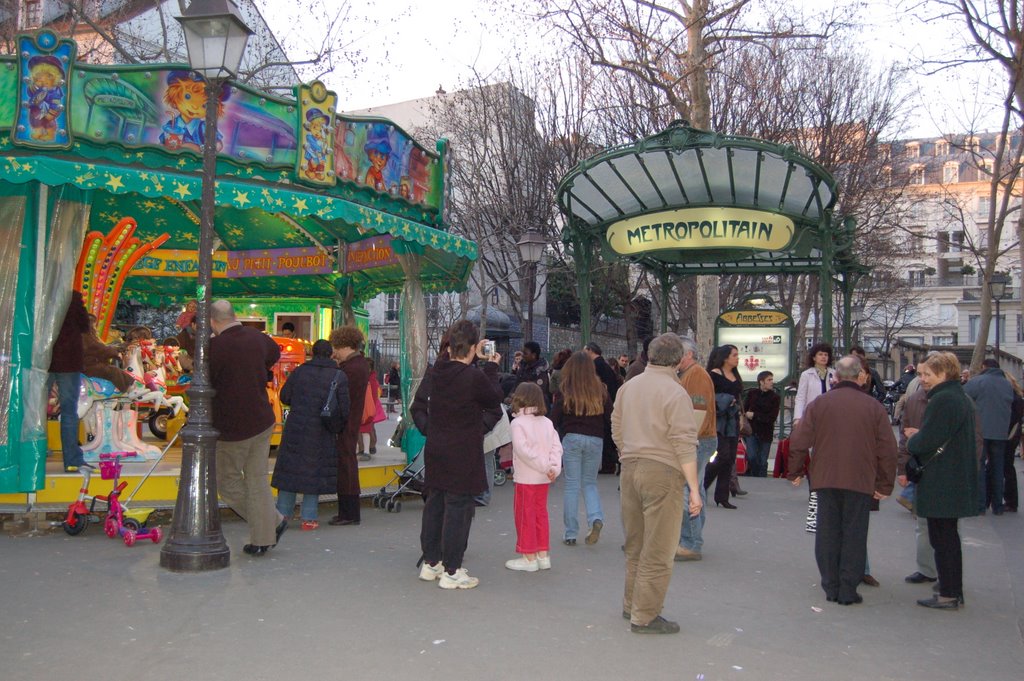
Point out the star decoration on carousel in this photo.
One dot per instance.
(241, 198)
(114, 182)
(182, 190)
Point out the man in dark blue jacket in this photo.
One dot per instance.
(993, 394)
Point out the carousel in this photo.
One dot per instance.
(100, 184)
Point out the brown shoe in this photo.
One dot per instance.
(338, 520)
(869, 580)
(683, 555)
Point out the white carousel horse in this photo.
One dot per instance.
(146, 362)
(112, 418)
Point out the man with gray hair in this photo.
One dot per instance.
(854, 461)
(654, 427)
(240, 358)
(697, 383)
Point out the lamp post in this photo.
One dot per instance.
(856, 317)
(216, 37)
(997, 286)
(531, 248)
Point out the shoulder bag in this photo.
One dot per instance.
(914, 469)
(330, 414)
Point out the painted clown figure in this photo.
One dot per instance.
(186, 96)
(45, 96)
(315, 151)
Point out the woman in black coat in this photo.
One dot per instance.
(306, 460)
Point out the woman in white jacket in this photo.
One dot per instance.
(816, 380)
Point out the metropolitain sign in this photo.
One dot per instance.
(701, 228)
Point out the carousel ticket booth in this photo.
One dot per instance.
(100, 188)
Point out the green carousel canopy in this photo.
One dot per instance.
(687, 201)
(310, 203)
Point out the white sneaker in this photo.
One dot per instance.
(544, 563)
(460, 580)
(522, 565)
(428, 573)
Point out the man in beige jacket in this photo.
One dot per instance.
(654, 427)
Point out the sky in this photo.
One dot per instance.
(412, 47)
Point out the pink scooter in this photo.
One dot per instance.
(114, 524)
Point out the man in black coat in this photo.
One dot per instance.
(240, 357)
(534, 369)
(306, 459)
(448, 410)
(611, 380)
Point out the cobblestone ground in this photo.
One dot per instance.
(345, 603)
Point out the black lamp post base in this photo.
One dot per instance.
(194, 557)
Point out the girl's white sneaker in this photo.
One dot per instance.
(522, 564)
(544, 563)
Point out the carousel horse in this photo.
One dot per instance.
(112, 418)
(146, 362)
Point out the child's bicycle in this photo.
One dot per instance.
(130, 525)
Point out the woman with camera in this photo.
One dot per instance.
(943, 457)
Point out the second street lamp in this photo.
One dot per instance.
(216, 38)
(531, 248)
(997, 286)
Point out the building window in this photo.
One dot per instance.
(31, 13)
(942, 340)
(985, 170)
(495, 296)
(887, 176)
(916, 277)
(942, 148)
(956, 242)
(974, 324)
(391, 315)
(951, 173)
(917, 174)
(913, 150)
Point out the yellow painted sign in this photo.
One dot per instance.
(754, 318)
(165, 262)
(694, 228)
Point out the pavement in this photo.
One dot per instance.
(345, 603)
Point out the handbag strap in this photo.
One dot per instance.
(334, 386)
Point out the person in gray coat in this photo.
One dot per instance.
(993, 395)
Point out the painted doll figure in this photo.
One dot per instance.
(45, 96)
(315, 152)
(378, 150)
(186, 97)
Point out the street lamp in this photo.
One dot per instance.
(856, 317)
(531, 248)
(997, 287)
(216, 37)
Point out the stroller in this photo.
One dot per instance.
(409, 480)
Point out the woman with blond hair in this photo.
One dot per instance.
(948, 487)
(582, 418)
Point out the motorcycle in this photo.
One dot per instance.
(892, 396)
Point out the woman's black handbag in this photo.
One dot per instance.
(331, 415)
(914, 469)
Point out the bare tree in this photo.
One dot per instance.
(145, 31)
(994, 39)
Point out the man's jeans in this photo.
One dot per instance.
(68, 385)
(757, 456)
(692, 535)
